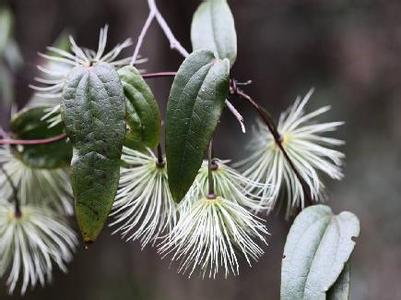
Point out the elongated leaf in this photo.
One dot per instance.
(93, 110)
(213, 29)
(318, 245)
(28, 124)
(341, 288)
(143, 114)
(6, 24)
(194, 108)
(6, 88)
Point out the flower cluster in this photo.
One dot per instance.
(35, 203)
(144, 208)
(34, 232)
(58, 64)
(214, 226)
(207, 232)
(309, 151)
(201, 232)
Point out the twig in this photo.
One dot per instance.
(159, 74)
(237, 115)
(211, 194)
(142, 35)
(174, 43)
(160, 159)
(34, 142)
(267, 119)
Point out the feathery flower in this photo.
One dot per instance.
(144, 208)
(31, 244)
(42, 187)
(305, 145)
(60, 62)
(228, 183)
(208, 234)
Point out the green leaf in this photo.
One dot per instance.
(6, 25)
(27, 125)
(143, 114)
(318, 245)
(93, 110)
(341, 288)
(6, 87)
(213, 29)
(195, 104)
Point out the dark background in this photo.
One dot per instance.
(350, 51)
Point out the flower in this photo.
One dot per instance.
(228, 183)
(307, 148)
(59, 63)
(144, 208)
(31, 244)
(208, 235)
(45, 187)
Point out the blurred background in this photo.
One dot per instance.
(350, 51)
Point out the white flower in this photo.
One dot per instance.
(60, 62)
(229, 184)
(307, 148)
(45, 187)
(30, 245)
(144, 208)
(208, 235)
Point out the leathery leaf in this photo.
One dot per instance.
(318, 246)
(143, 114)
(194, 107)
(93, 110)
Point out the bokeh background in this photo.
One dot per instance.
(350, 51)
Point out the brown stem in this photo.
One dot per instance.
(268, 120)
(159, 74)
(34, 142)
(160, 158)
(210, 166)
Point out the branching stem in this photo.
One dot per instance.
(268, 120)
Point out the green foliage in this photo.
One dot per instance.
(143, 114)
(6, 86)
(318, 245)
(93, 110)
(213, 29)
(6, 25)
(195, 104)
(28, 125)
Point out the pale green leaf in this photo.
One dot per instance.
(213, 29)
(318, 245)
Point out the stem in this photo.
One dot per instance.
(210, 168)
(159, 74)
(142, 35)
(17, 205)
(160, 159)
(237, 115)
(33, 142)
(174, 43)
(264, 115)
(268, 120)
